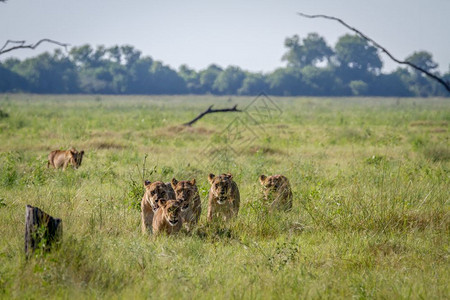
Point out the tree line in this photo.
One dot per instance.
(312, 68)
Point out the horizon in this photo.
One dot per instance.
(249, 35)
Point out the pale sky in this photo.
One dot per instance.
(249, 34)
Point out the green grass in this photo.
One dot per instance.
(370, 178)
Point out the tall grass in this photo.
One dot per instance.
(370, 178)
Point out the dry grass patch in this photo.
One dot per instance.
(103, 144)
(181, 129)
(428, 123)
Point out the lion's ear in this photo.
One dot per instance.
(193, 181)
(262, 178)
(147, 183)
(162, 202)
(82, 152)
(174, 183)
(229, 175)
(211, 177)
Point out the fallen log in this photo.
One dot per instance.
(210, 110)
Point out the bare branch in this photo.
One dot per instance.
(210, 110)
(437, 78)
(14, 45)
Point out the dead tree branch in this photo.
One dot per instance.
(14, 45)
(210, 110)
(437, 78)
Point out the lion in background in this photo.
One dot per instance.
(277, 192)
(186, 193)
(61, 159)
(154, 193)
(224, 198)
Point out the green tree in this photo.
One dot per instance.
(208, 77)
(11, 81)
(424, 60)
(229, 81)
(286, 82)
(253, 84)
(310, 51)
(321, 81)
(130, 54)
(393, 84)
(166, 81)
(419, 83)
(81, 56)
(140, 76)
(355, 53)
(192, 79)
(115, 54)
(48, 73)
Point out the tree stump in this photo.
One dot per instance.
(42, 231)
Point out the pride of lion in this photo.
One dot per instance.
(168, 207)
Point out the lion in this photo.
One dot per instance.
(168, 218)
(277, 192)
(186, 193)
(60, 158)
(154, 192)
(224, 198)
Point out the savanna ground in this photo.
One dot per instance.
(370, 178)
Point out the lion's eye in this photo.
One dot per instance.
(152, 193)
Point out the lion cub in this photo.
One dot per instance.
(154, 192)
(168, 217)
(59, 158)
(223, 198)
(186, 193)
(277, 192)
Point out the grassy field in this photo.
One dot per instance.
(370, 178)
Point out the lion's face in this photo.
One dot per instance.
(76, 157)
(171, 211)
(221, 186)
(185, 191)
(272, 184)
(155, 192)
